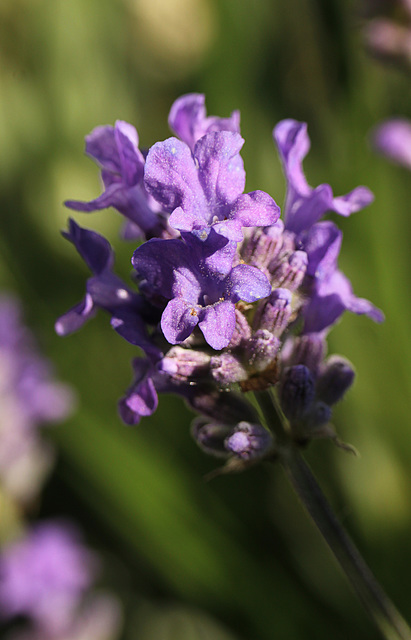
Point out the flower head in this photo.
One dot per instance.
(237, 300)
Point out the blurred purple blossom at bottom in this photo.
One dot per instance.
(46, 577)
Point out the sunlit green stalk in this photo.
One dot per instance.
(378, 605)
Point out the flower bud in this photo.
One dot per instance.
(228, 407)
(290, 273)
(318, 415)
(275, 312)
(210, 436)
(185, 365)
(336, 378)
(249, 441)
(263, 245)
(308, 350)
(297, 391)
(242, 330)
(226, 369)
(313, 424)
(262, 350)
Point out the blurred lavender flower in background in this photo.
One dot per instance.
(45, 578)
(387, 30)
(29, 398)
(45, 573)
(392, 139)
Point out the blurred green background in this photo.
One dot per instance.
(233, 558)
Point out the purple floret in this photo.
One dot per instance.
(330, 292)
(141, 398)
(329, 299)
(29, 397)
(116, 150)
(107, 291)
(204, 189)
(25, 374)
(195, 294)
(304, 205)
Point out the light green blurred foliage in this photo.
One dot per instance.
(238, 547)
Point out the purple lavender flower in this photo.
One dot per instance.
(45, 577)
(330, 292)
(203, 189)
(195, 293)
(243, 443)
(260, 291)
(141, 398)
(107, 291)
(304, 205)
(392, 139)
(116, 150)
(41, 399)
(329, 298)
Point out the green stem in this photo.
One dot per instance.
(378, 605)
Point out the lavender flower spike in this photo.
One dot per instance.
(392, 139)
(104, 290)
(304, 205)
(218, 286)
